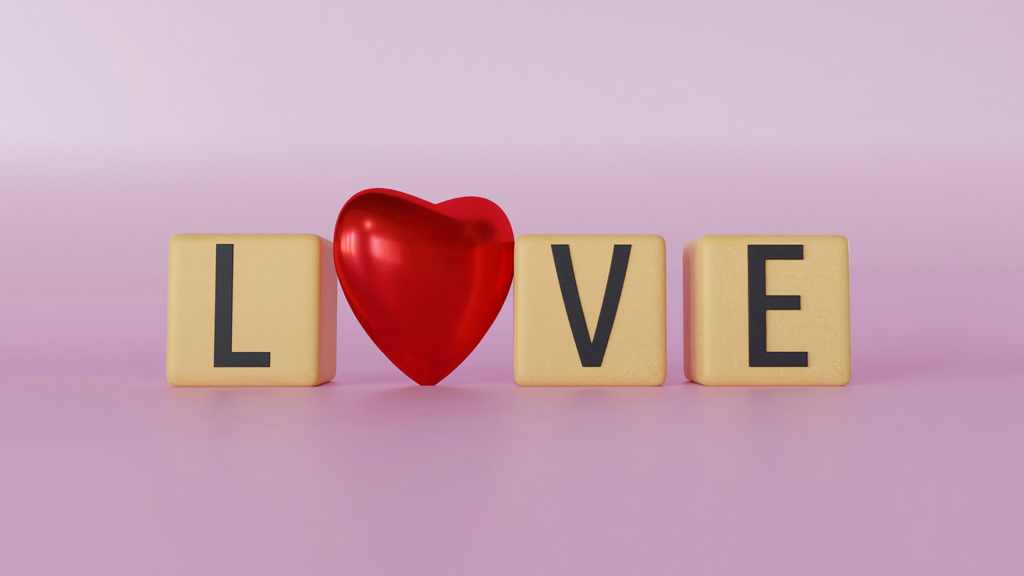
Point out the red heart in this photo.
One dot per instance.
(425, 281)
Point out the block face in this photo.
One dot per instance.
(549, 351)
(793, 330)
(272, 298)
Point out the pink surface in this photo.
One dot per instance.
(897, 124)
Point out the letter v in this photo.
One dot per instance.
(591, 351)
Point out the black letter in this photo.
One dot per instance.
(759, 303)
(223, 357)
(591, 353)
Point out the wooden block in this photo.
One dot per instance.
(767, 310)
(590, 310)
(251, 310)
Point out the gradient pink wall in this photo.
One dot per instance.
(896, 123)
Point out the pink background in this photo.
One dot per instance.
(899, 124)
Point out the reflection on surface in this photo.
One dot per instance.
(155, 476)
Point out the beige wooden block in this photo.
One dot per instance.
(570, 329)
(767, 310)
(251, 310)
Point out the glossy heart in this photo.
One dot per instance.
(425, 280)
